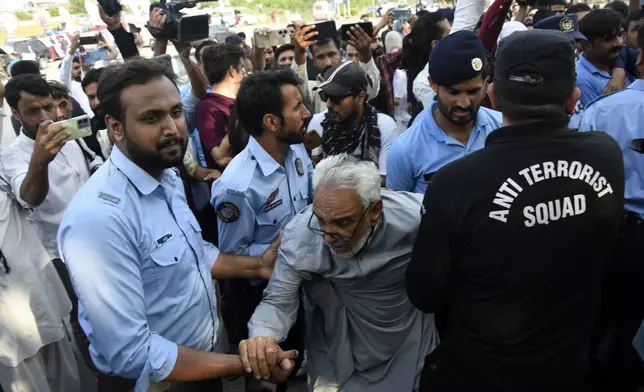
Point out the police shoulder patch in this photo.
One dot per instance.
(227, 212)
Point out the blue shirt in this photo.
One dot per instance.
(190, 103)
(140, 269)
(591, 81)
(256, 197)
(424, 148)
(621, 115)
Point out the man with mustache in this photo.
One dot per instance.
(71, 74)
(141, 270)
(350, 125)
(603, 29)
(265, 185)
(455, 125)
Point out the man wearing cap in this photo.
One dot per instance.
(350, 124)
(621, 115)
(514, 238)
(454, 125)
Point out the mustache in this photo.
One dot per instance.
(469, 109)
(170, 141)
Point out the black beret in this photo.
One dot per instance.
(456, 58)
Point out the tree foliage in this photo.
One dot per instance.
(23, 15)
(77, 7)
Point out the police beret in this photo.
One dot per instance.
(456, 58)
(566, 23)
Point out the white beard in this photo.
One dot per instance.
(357, 247)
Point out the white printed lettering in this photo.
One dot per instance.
(536, 173)
(525, 174)
(586, 173)
(515, 185)
(528, 213)
(592, 181)
(606, 190)
(500, 215)
(507, 189)
(575, 170)
(580, 204)
(503, 200)
(599, 185)
(552, 211)
(549, 170)
(562, 169)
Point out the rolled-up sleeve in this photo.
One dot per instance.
(102, 256)
(374, 75)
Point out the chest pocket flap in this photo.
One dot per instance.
(170, 252)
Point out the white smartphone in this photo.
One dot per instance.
(78, 126)
(276, 37)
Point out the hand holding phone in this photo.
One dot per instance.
(367, 27)
(78, 127)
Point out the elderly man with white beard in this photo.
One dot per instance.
(349, 251)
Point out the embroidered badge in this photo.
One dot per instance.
(272, 197)
(477, 64)
(108, 197)
(227, 212)
(299, 167)
(271, 206)
(567, 25)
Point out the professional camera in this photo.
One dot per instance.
(180, 27)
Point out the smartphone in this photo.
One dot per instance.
(92, 40)
(312, 140)
(78, 126)
(402, 14)
(366, 26)
(111, 7)
(277, 37)
(326, 30)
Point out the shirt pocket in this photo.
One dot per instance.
(269, 223)
(165, 263)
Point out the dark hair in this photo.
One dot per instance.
(202, 44)
(218, 59)
(579, 7)
(28, 83)
(601, 24)
(92, 76)
(58, 91)
(260, 94)
(541, 15)
(242, 35)
(418, 46)
(118, 77)
(25, 67)
(76, 59)
(618, 6)
(237, 136)
(282, 49)
(325, 41)
(633, 17)
(422, 13)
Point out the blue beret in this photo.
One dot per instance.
(567, 23)
(447, 13)
(457, 57)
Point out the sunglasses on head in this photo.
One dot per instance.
(336, 99)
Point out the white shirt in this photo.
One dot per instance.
(400, 92)
(466, 16)
(33, 300)
(312, 98)
(75, 88)
(388, 133)
(67, 173)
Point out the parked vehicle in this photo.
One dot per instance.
(247, 19)
(322, 10)
(31, 49)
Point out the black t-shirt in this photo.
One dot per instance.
(510, 255)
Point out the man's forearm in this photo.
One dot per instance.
(124, 41)
(35, 186)
(228, 266)
(194, 365)
(198, 81)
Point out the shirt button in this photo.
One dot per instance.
(252, 157)
(274, 221)
(175, 259)
(294, 198)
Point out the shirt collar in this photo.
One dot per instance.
(638, 84)
(144, 182)
(528, 130)
(266, 162)
(588, 66)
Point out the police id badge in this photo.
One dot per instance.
(299, 167)
(227, 212)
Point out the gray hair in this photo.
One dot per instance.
(346, 172)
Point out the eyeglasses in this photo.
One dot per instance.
(336, 99)
(336, 236)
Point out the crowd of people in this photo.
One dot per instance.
(451, 206)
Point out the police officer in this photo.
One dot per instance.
(515, 237)
(265, 185)
(453, 126)
(621, 115)
(142, 272)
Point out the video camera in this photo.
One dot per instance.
(180, 27)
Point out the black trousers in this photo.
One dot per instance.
(117, 384)
(614, 360)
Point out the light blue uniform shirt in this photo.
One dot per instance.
(591, 81)
(256, 197)
(190, 103)
(621, 115)
(141, 271)
(424, 148)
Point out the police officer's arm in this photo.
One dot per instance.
(428, 271)
(104, 261)
(228, 266)
(400, 173)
